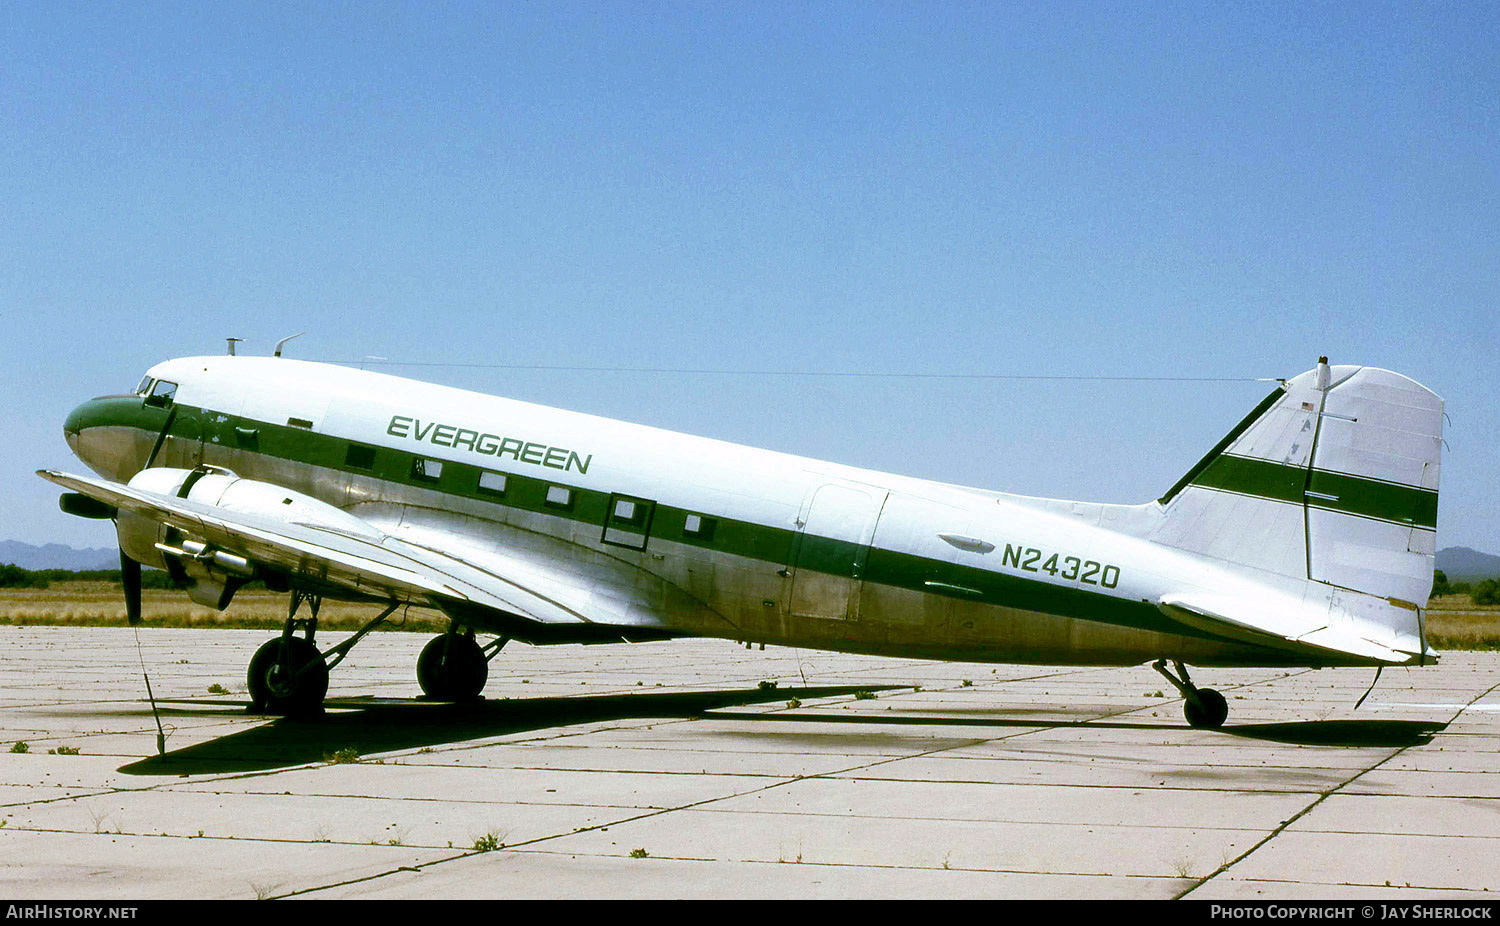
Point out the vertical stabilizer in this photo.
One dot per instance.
(1332, 478)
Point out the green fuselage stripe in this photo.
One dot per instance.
(1325, 489)
(730, 536)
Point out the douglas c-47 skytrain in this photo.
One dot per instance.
(1305, 538)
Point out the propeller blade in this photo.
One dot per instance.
(130, 578)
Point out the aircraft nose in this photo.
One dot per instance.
(95, 431)
(114, 434)
(74, 424)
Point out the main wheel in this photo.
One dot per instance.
(296, 688)
(452, 668)
(1209, 713)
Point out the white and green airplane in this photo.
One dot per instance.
(1305, 538)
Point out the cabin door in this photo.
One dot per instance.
(832, 546)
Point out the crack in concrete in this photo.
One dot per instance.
(1323, 796)
(884, 760)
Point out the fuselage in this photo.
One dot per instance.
(775, 548)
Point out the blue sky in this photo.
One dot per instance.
(1151, 190)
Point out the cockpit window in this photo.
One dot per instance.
(145, 385)
(162, 393)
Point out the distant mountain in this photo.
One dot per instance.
(1460, 562)
(57, 556)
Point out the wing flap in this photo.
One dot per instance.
(591, 585)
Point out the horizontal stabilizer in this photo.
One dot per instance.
(1280, 625)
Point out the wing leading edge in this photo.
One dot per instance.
(322, 544)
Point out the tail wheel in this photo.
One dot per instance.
(294, 685)
(452, 667)
(1208, 712)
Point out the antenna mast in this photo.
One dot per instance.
(286, 339)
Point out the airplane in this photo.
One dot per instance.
(1305, 538)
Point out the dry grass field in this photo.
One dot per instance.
(100, 604)
(1454, 622)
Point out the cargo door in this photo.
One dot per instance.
(834, 532)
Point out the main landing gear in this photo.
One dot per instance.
(289, 675)
(454, 667)
(1204, 708)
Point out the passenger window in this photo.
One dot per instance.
(559, 497)
(699, 527)
(425, 470)
(491, 483)
(360, 456)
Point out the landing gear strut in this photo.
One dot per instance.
(288, 675)
(1204, 708)
(454, 667)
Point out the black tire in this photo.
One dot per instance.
(1209, 713)
(459, 677)
(298, 691)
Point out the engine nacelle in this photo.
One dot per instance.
(214, 574)
(138, 538)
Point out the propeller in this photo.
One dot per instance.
(130, 578)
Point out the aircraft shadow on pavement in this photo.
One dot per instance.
(387, 726)
(1384, 733)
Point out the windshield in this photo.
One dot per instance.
(145, 385)
(161, 393)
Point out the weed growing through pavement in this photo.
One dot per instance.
(263, 891)
(489, 842)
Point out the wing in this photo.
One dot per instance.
(539, 597)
